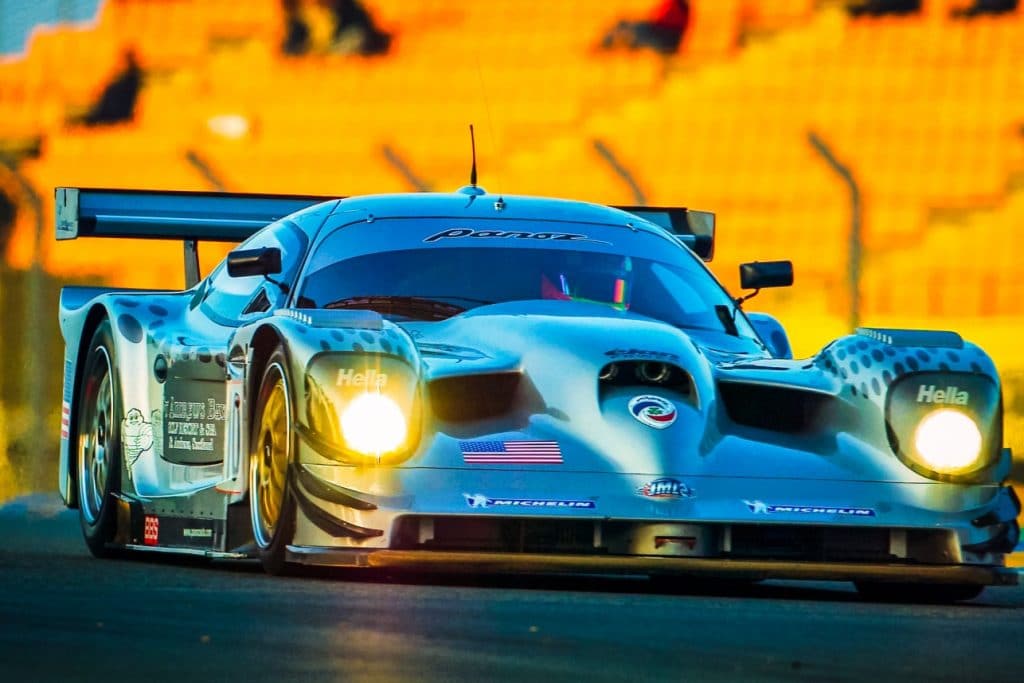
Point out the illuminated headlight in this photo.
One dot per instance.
(373, 424)
(361, 406)
(945, 425)
(948, 441)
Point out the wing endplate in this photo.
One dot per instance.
(695, 229)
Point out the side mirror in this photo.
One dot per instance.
(762, 274)
(247, 262)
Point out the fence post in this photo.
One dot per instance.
(856, 245)
(7, 483)
(33, 334)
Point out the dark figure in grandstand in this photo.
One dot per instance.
(879, 7)
(296, 30)
(354, 29)
(662, 30)
(985, 7)
(8, 212)
(117, 102)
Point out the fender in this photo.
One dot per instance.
(79, 308)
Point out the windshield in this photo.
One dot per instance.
(437, 283)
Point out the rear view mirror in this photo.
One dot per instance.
(247, 262)
(761, 274)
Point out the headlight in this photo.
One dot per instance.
(373, 424)
(948, 441)
(361, 407)
(945, 425)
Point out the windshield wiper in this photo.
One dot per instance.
(415, 307)
(725, 316)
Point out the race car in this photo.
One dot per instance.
(471, 382)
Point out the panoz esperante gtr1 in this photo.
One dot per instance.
(471, 382)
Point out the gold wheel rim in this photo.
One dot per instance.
(270, 467)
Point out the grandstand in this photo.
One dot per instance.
(925, 111)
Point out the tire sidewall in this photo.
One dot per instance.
(100, 532)
(273, 555)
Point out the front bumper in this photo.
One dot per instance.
(605, 514)
(743, 569)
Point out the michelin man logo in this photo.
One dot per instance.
(136, 435)
(477, 500)
(757, 507)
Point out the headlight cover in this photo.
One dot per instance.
(362, 408)
(948, 441)
(373, 424)
(945, 426)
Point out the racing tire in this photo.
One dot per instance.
(939, 593)
(98, 444)
(271, 449)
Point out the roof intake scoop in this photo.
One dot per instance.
(926, 338)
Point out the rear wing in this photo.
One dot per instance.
(695, 229)
(169, 215)
(193, 217)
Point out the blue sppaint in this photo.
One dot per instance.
(19, 17)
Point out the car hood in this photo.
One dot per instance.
(559, 350)
(531, 335)
(500, 375)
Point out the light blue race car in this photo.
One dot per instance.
(470, 382)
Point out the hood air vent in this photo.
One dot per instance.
(780, 409)
(645, 373)
(466, 398)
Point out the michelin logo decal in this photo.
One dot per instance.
(761, 508)
(479, 500)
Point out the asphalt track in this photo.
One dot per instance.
(65, 616)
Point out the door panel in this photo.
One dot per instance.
(195, 412)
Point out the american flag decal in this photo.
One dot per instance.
(511, 452)
(65, 419)
(65, 406)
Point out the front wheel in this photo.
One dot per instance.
(271, 502)
(98, 446)
(918, 592)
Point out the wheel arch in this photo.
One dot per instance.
(261, 345)
(264, 342)
(264, 345)
(94, 318)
